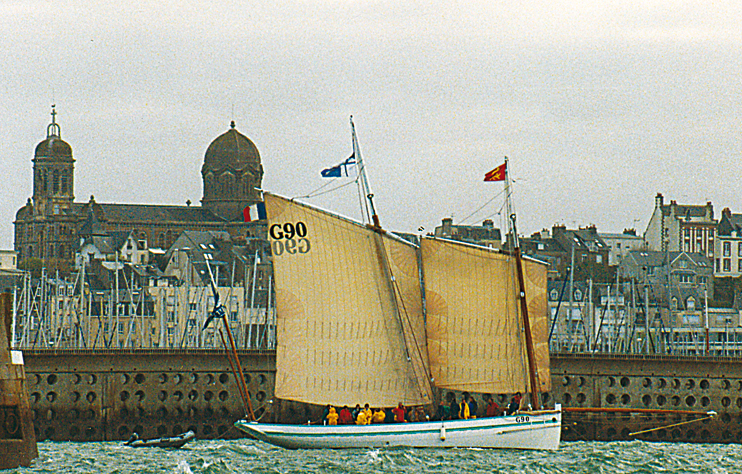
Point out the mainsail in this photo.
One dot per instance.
(349, 311)
(474, 326)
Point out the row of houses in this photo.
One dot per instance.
(670, 289)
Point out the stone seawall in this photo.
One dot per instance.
(649, 382)
(107, 395)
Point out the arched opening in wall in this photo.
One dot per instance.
(161, 240)
(169, 239)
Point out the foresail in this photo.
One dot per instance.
(341, 330)
(534, 274)
(474, 327)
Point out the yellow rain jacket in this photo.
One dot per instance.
(332, 417)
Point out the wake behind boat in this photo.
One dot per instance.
(532, 430)
(365, 315)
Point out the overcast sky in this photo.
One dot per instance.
(598, 104)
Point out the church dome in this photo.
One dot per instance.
(231, 150)
(54, 146)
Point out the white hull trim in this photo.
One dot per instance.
(528, 430)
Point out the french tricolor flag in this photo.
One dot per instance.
(254, 212)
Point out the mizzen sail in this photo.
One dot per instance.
(349, 313)
(474, 326)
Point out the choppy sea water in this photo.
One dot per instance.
(243, 456)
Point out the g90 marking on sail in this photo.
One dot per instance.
(290, 238)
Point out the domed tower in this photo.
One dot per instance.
(232, 173)
(53, 173)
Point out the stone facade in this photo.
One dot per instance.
(681, 227)
(728, 262)
(486, 234)
(621, 244)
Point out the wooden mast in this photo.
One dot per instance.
(422, 382)
(532, 371)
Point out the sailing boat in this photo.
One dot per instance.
(351, 314)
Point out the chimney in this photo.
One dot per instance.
(727, 213)
(658, 200)
(488, 224)
(558, 230)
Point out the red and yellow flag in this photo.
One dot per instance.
(497, 174)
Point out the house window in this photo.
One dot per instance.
(727, 249)
(685, 278)
(718, 265)
(739, 265)
(727, 264)
(691, 304)
(739, 249)
(598, 259)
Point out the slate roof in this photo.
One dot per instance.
(684, 210)
(654, 258)
(729, 223)
(155, 213)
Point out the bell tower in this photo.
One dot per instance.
(53, 172)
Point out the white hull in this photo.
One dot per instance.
(532, 430)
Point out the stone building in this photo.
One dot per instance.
(728, 251)
(621, 244)
(48, 226)
(486, 234)
(681, 227)
(556, 248)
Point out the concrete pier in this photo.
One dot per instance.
(17, 440)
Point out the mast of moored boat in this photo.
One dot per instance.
(532, 371)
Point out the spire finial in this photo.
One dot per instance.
(53, 129)
(231, 124)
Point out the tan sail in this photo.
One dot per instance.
(475, 337)
(341, 329)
